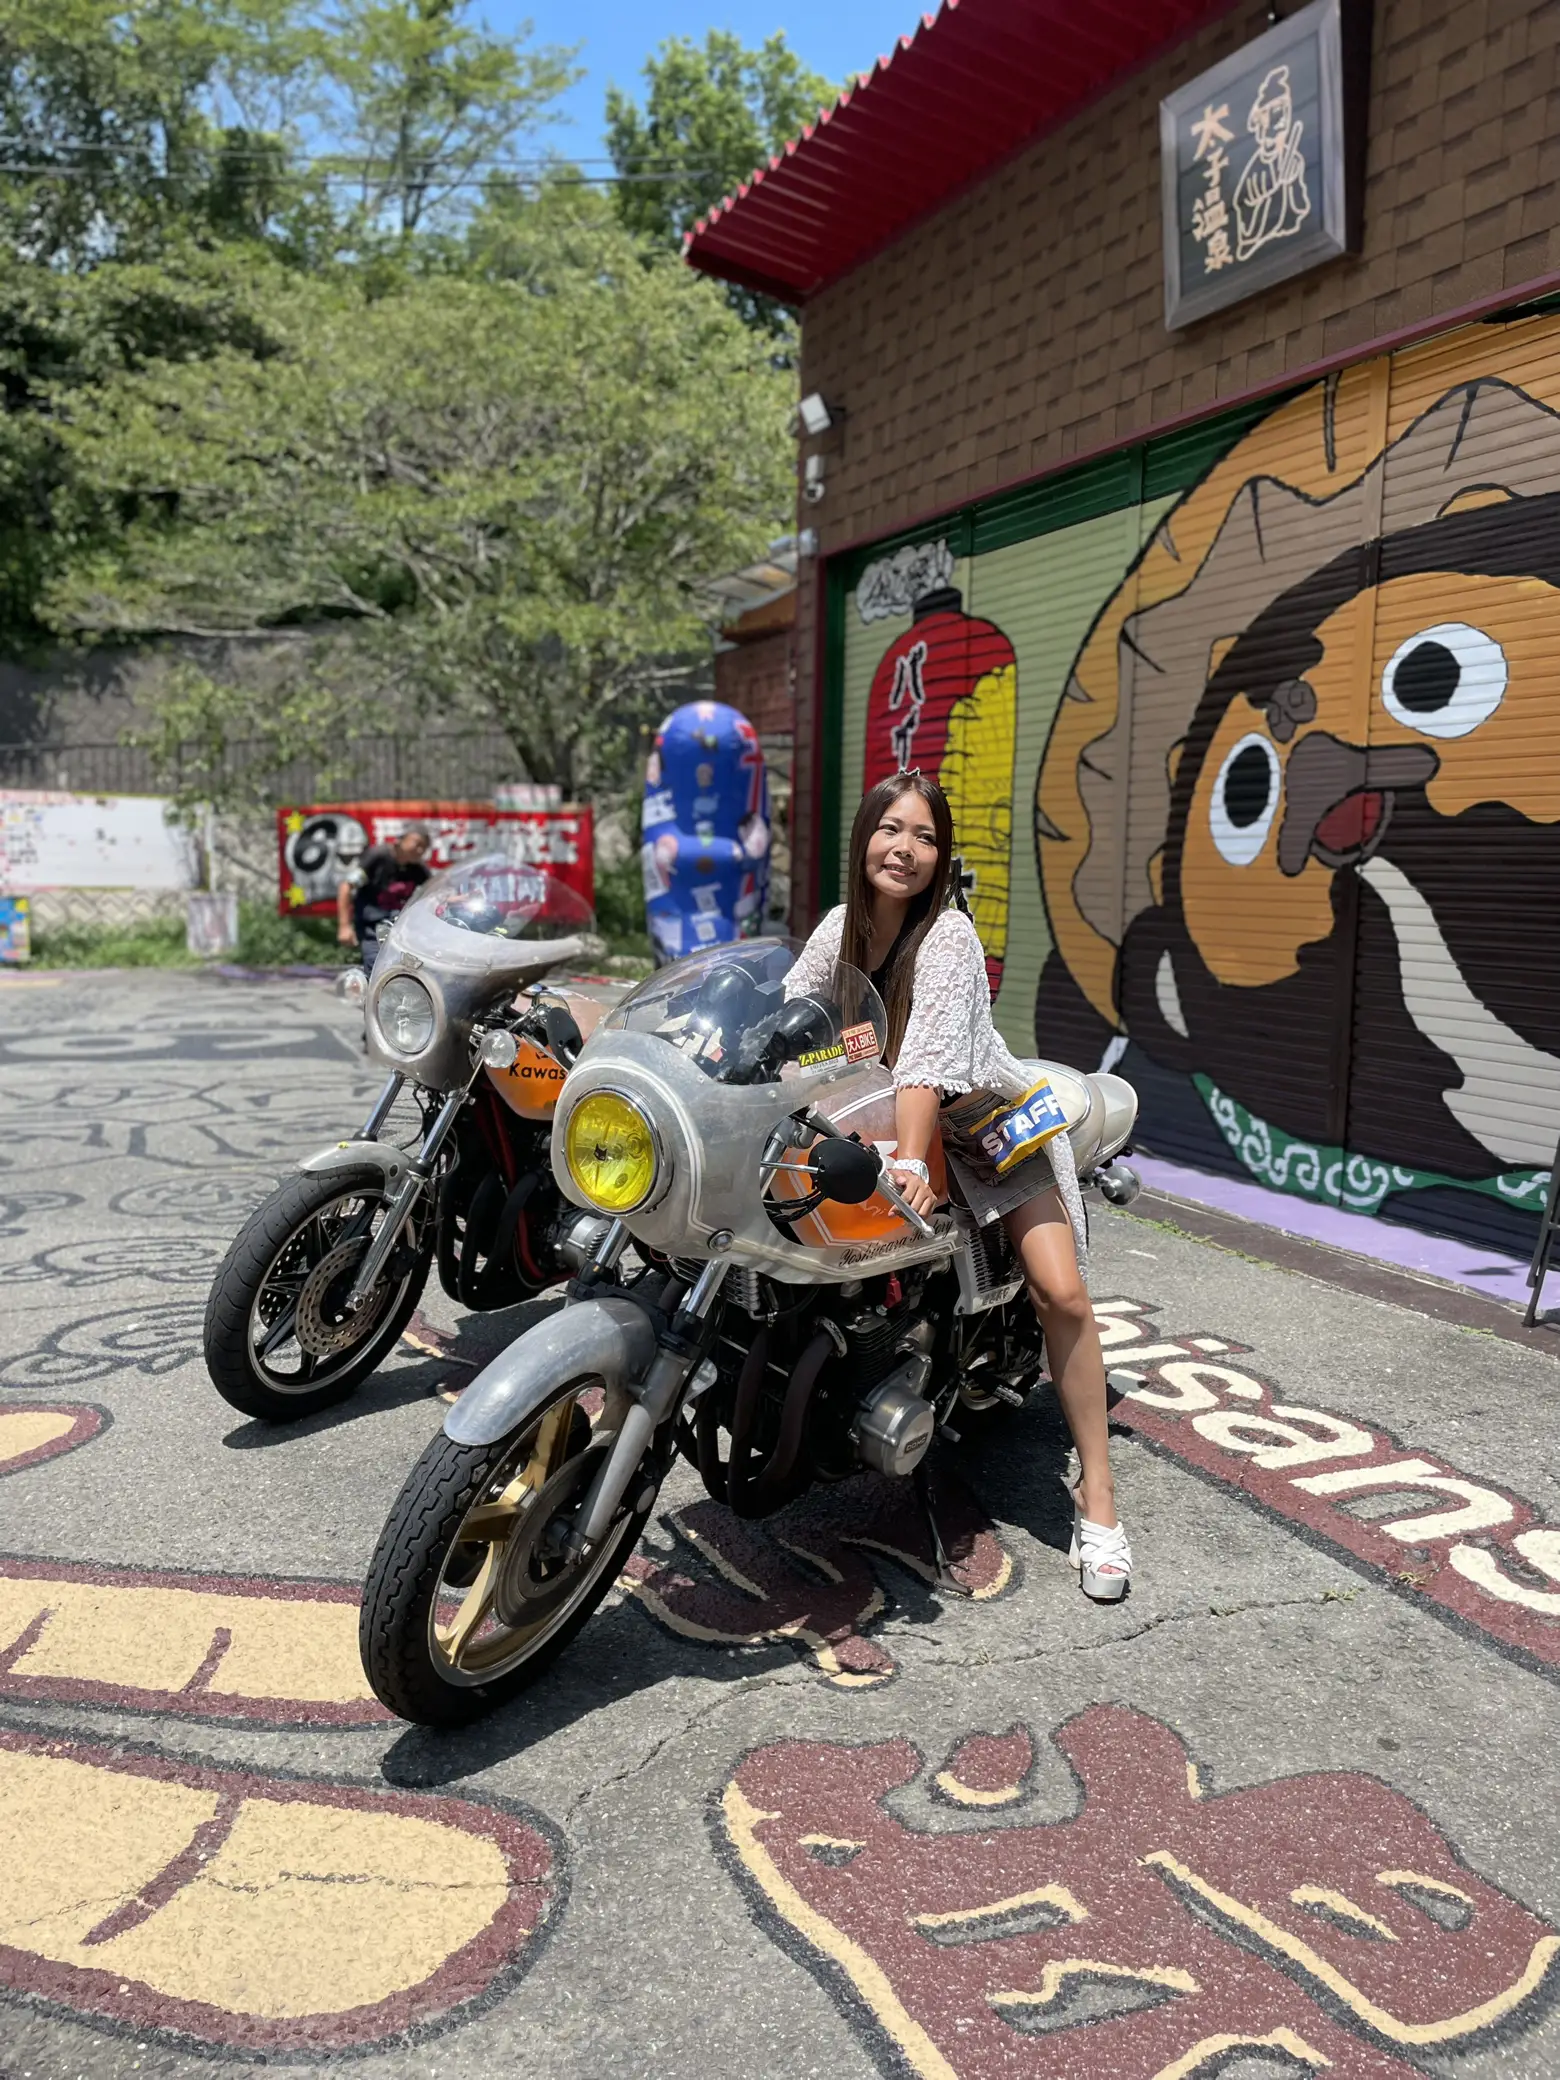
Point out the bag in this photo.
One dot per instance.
(995, 1135)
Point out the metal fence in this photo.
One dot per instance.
(440, 766)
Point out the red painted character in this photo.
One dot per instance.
(1322, 1920)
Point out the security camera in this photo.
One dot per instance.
(812, 479)
(814, 414)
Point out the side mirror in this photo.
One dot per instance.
(564, 1037)
(847, 1171)
(804, 1023)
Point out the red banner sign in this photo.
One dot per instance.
(318, 846)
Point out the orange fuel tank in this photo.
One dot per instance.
(868, 1113)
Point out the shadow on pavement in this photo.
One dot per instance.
(460, 1355)
(1010, 1463)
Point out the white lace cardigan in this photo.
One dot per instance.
(949, 1040)
(951, 1043)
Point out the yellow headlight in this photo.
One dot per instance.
(611, 1152)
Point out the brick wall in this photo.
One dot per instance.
(1023, 325)
(755, 678)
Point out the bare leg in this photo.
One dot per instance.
(1042, 1235)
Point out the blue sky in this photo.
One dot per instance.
(833, 38)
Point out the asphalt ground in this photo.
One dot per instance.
(785, 1810)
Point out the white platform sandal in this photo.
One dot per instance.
(1102, 1555)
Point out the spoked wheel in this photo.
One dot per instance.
(280, 1340)
(471, 1592)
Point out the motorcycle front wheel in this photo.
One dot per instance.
(470, 1595)
(280, 1343)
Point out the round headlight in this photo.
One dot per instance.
(404, 1013)
(611, 1152)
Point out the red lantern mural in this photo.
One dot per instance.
(944, 700)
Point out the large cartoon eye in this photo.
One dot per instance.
(1446, 680)
(1244, 798)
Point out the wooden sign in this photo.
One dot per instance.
(1262, 160)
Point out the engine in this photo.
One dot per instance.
(817, 1390)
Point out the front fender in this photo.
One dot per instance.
(608, 1339)
(352, 1155)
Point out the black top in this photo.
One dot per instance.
(880, 973)
(389, 883)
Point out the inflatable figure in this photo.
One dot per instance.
(706, 830)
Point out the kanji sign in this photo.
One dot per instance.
(1261, 160)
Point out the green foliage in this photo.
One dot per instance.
(157, 943)
(62, 335)
(430, 98)
(223, 743)
(710, 117)
(292, 347)
(161, 161)
(499, 491)
(620, 903)
(265, 940)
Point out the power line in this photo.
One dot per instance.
(666, 169)
(563, 177)
(99, 145)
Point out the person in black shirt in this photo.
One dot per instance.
(384, 881)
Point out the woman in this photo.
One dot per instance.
(926, 963)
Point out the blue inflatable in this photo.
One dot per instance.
(706, 830)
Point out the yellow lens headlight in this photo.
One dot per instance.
(611, 1152)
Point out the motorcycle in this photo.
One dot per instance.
(786, 1318)
(465, 1009)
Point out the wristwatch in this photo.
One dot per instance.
(913, 1164)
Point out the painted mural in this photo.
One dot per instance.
(1295, 733)
(943, 700)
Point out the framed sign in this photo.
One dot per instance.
(318, 845)
(1262, 160)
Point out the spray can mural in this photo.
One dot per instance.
(943, 701)
(705, 850)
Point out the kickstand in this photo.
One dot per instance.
(943, 1573)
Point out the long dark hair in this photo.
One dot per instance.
(923, 911)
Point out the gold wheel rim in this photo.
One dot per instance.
(472, 1645)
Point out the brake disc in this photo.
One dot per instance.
(534, 1578)
(324, 1325)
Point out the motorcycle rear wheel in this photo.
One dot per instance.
(270, 1265)
(447, 1630)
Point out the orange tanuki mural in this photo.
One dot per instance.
(1298, 818)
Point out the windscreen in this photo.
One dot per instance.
(492, 898)
(735, 1012)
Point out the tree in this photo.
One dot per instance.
(61, 335)
(116, 120)
(499, 493)
(428, 99)
(710, 117)
(158, 157)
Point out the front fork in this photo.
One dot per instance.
(420, 1171)
(675, 1358)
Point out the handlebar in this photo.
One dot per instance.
(884, 1188)
(903, 1208)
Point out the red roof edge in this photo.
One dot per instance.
(907, 137)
